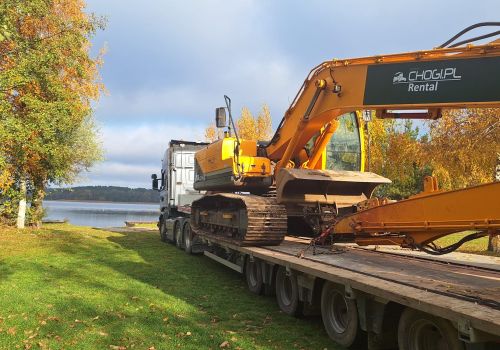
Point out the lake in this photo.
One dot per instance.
(100, 214)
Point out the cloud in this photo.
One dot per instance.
(119, 174)
(250, 83)
(169, 63)
(132, 154)
(144, 144)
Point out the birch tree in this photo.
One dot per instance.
(48, 80)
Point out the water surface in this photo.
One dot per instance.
(100, 214)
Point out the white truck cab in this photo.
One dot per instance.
(175, 185)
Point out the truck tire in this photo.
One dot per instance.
(163, 229)
(287, 292)
(178, 234)
(187, 236)
(253, 276)
(418, 330)
(340, 316)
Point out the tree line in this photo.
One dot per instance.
(461, 149)
(48, 81)
(104, 193)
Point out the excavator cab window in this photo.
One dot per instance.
(343, 152)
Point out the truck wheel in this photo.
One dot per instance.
(287, 292)
(253, 275)
(418, 330)
(187, 236)
(178, 234)
(163, 230)
(340, 315)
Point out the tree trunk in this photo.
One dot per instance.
(494, 244)
(21, 212)
(36, 203)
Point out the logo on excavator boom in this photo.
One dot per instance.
(426, 79)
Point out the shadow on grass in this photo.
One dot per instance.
(194, 302)
(5, 271)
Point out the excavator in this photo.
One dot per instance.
(310, 177)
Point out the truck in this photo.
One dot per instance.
(367, 297)
(175, 186)
(259, 197)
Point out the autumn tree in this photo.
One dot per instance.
(395, 151)
(464, 146)
(248, 127)
(212, 133)
(255, 128)
(48, 80)
(264, 123)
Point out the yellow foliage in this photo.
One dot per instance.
(461, 149)
(246, 124)
(394, 151)
(464, 146)
(251, 128)
(5, 179)
(264, 123)
(248, 127)
(212, 133)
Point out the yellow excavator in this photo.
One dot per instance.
(310, 179)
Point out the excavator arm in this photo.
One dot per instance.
(462, 77)
(408, 85)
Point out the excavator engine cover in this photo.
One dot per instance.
(343, 188)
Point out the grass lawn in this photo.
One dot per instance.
(67, 287)
(477, 246)
(146, 225)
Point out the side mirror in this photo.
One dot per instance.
(220, 117)
(155, 181)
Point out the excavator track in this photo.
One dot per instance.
(240, 219)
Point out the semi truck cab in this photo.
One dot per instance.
(175, 184)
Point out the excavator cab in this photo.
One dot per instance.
(338, 178)
(345, 150)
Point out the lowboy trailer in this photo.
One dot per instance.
(371, 299)
(368, 298)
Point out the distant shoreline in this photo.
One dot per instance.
(95, 201)
(104, 194)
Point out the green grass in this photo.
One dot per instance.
(477, 246)
(146, 225)
(81, 288)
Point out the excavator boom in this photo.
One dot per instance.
(462, 77)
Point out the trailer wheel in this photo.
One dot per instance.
(420, 331)
(187, 236)
(340, 315)
(287, 292)
(178, 234)
(253, 276)
(163, 229)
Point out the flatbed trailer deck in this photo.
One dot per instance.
(382, 285)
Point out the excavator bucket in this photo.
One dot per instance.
(344, 188)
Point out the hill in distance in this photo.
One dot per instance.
(103, 194)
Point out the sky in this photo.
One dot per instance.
(169, 63)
